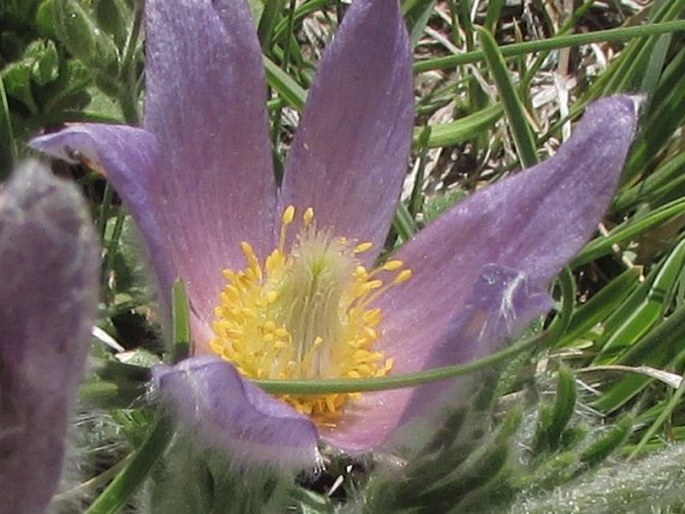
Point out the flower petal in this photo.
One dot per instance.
(210, 398)
(502, 302)
(349, 155)
(49, 274)
(129, 157)
(206, 103)
(534, 222)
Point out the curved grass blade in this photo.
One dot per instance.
(461, 130)
(626, 231)
(117, 493)
(7, 148)
(513, 107)
(600, 305)
(284, 84)
(599, 36)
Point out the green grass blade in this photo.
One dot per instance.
(492, 14)
(403, 223)
(513, 108)
(416, 15)
(7, 149)
(180, 313)
(628, 230)
(661, 186)
(121, 489)
(600, 305)
(640, 319)
(284, 84)
(572, 40)
(461, 130)
(267, 22)
(656, 343)
(663, 416)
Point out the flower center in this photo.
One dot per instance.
(305, 314)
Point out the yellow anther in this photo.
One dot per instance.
(286, 219)
(308, 216)
(363, 247)
(402, 276)
(374, 284)
(288, 215)
(392, 265)
(305, 312)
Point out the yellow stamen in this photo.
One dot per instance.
(308, 216)
(305, 313)
(363, 247)
(392, 265)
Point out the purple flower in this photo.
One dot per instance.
(299, 296)
(49, 275)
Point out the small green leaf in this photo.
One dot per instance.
(607, 443)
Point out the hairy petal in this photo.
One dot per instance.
(49, 274)
(206, 103)
(502, 302)
(533, 222)
(210, 398)
(349, 155)
(129, 158)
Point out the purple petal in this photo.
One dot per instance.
(350, 152)
(49, 275)
(210, 398)
(501, 304)
(206, 103)
(533, 222)
(129, 157)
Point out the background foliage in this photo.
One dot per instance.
(588, 417)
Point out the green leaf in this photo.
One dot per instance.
(661, 186)
(599, 36)
(123, 487)
(267, 21)
(564, 406)
(601, 305)
(628, 230)
(114, 17)
(638, 319)
(290, 90)
(403, 223)
(7, 148)
(461, 130)
(180, 313)
(513, 107)
(416, 15)
(652, 349)
(607, 443)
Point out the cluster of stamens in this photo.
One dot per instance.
(305, 314)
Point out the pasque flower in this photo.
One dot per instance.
(283, 280)
(49, 275)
